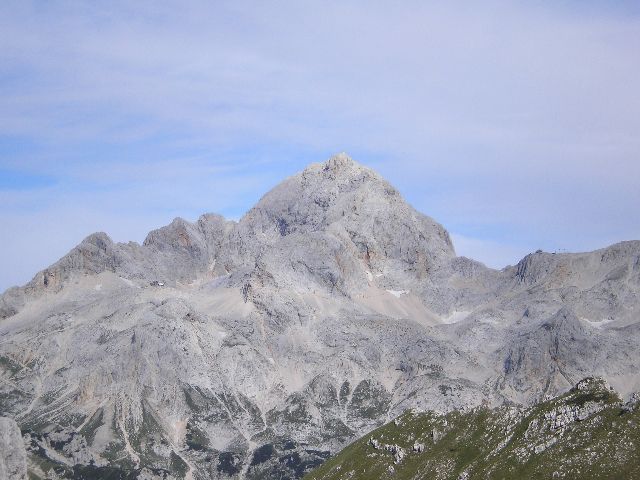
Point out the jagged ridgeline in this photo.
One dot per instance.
(259, 348)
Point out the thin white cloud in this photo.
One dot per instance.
(514, 119)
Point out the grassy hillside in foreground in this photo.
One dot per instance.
(586, 433)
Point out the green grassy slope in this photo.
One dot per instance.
(586, 433)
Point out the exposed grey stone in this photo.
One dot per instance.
(331, 306)
(13, 458)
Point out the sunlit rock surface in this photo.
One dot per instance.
(257, 348)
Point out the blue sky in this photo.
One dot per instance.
(515, 124)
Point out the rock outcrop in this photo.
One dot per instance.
(256, 348)
(584, 433)
(13, 457)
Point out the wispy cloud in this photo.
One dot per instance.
(515, 124)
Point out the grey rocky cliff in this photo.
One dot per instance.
(13, 457)
(254, 348)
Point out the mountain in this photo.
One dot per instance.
(257, 348)
(587, 433)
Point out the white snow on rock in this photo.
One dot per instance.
(398, 293)
(455, 316)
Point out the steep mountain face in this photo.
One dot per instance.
(254, 349)
(587, 433)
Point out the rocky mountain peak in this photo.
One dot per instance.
(178, 234)
(351, 204)
(340, 162)
(336, 190)
(342, 172)
(253, 349)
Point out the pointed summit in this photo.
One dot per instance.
(340, 168)
(339, 161)
(347, 199)
(341, 164)
(332, 299)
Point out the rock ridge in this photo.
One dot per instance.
(256, 348)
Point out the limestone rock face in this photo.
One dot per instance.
(343, 198)
(254, 349)
(13, 458)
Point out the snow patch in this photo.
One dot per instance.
(455, 316)
(98, 287)
(598, 323)
(398, 293)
